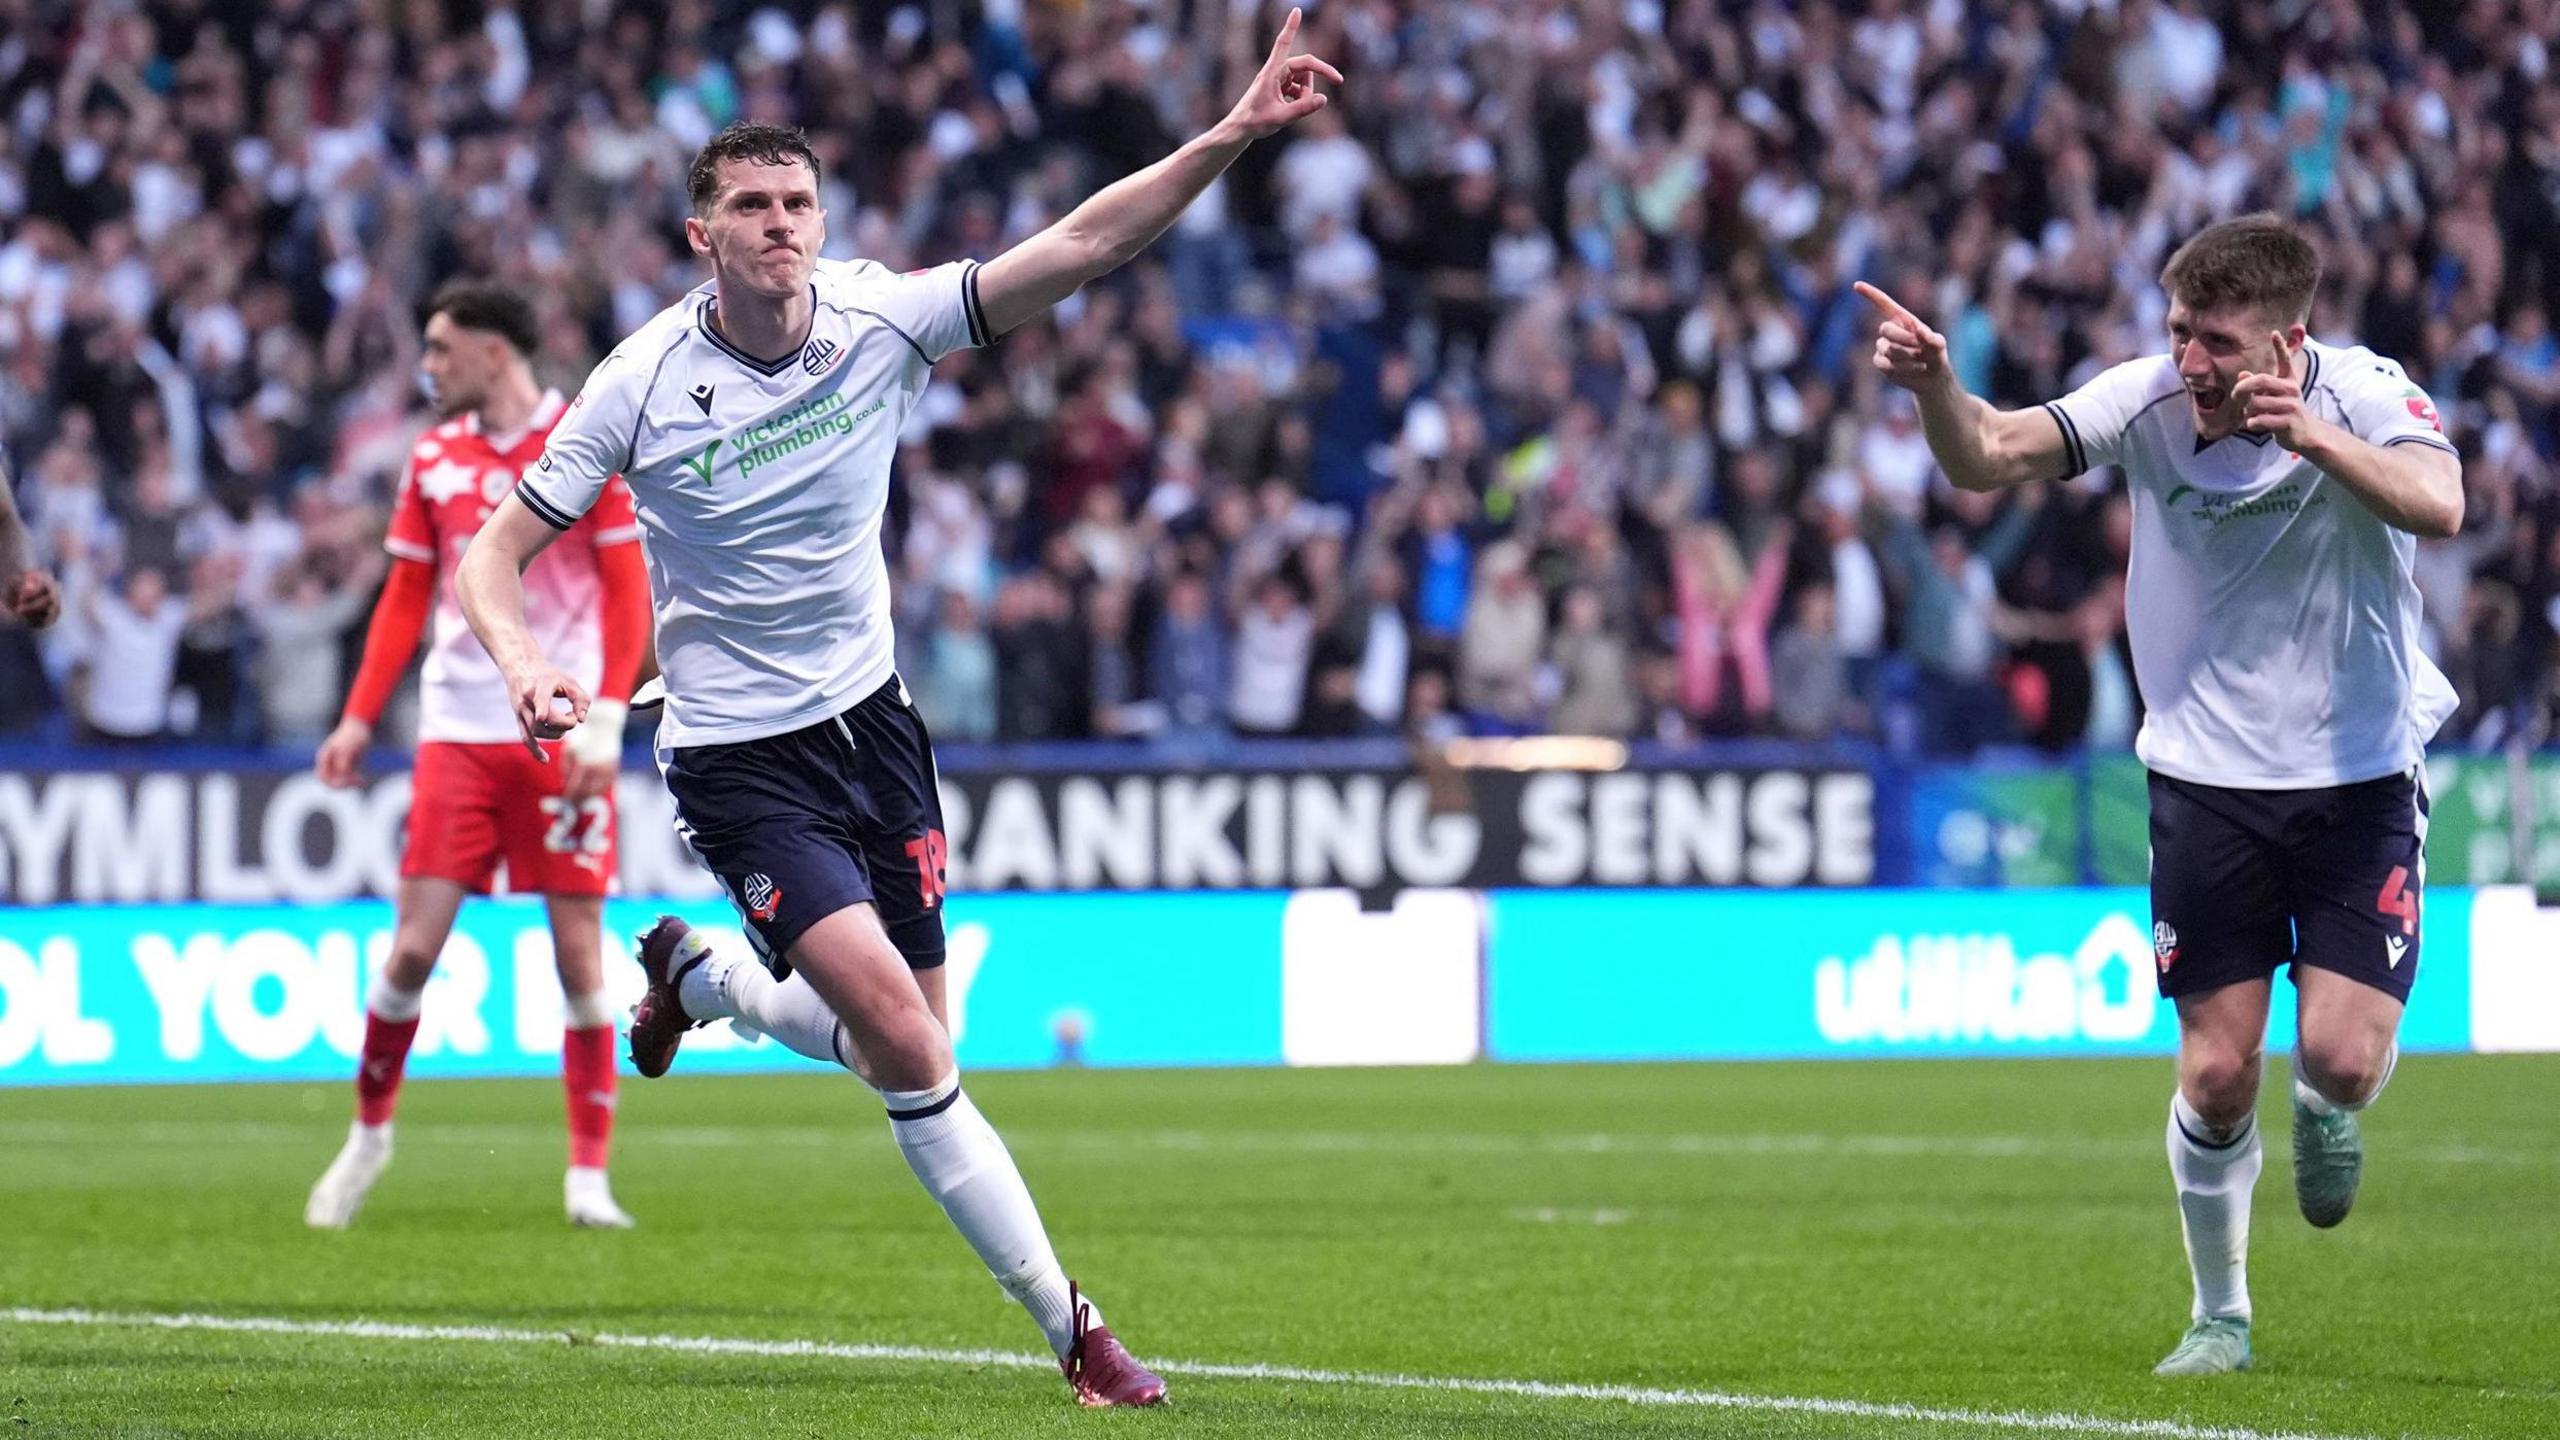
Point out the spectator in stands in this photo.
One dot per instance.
(1189, 659)
(207, 681)
(301, 624)
(1442, 561)
(956, 687)
(1725, 609)
(1038, 661)
(1950, 603)
(1503, 644)
(1594, 676)
(1373, 636)
(1275, 633)
(1811, 697)
(1113, 684)
(124, 699)
(1847, 565)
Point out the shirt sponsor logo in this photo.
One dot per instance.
(701, 465)
(788, 433)
(2219, 510)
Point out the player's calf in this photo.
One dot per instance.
(587, 1078)
(390, 1028)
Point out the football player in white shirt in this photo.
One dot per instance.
(2279, 488)
(755, 422)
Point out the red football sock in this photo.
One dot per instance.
(386, 1054)
(586, 1069)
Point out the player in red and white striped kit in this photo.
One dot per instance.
(483, 797)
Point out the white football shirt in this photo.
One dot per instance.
(760, 488)
(2274, 618)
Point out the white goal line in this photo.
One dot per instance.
(2033, 1422)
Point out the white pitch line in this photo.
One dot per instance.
(1820, 1146)
(2037, 1422)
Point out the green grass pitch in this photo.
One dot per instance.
(1991, 1244)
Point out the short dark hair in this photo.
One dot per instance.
(487, 305)
(746, 140)
(2256, 260)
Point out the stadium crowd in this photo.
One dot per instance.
(1522, 391)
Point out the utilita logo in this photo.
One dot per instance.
(1977, 989)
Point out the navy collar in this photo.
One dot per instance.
(712, 333)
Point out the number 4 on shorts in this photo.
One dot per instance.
(2398, 899)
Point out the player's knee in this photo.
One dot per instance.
(2344, 1072)
(2221, 1083)
(409, 965)
(912, 1056)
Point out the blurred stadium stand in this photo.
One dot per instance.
(1523, 393)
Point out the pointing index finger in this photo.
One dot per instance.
(1288, 34)
(1893, 309)
(2284, 355)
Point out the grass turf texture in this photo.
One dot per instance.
(1994, 1237)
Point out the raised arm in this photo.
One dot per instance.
(549, 702)
(1979, 446)
(1109, 229)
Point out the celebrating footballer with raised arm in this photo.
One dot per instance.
(482, 795)
(2279, 488)
(755, 422)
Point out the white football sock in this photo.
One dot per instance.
(791, 1011)
(966, 1168)
(704, 989)
(2215, 1173)
(2319, 1104)
(386, 1000)
(591, 1011)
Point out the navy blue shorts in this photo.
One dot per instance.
(800, 825)
(2245, 882)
